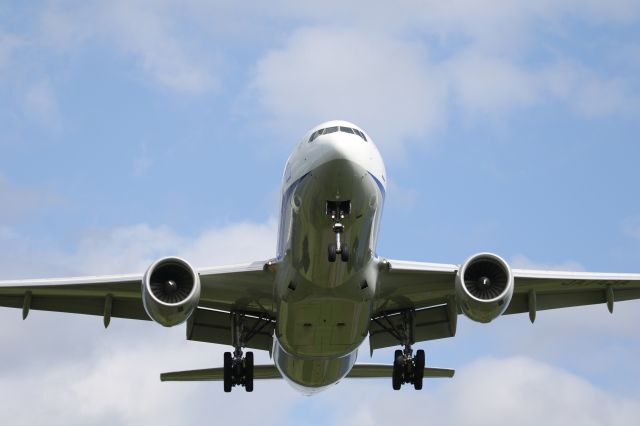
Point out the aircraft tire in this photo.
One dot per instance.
(332, 253)
(248, 372)
(396, 376)
(344, 253)
(228, 370)
(418, 369)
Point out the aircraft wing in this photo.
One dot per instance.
(429, 289)
(246, 287)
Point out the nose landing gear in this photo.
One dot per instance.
(337, 210)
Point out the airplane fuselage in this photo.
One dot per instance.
(323, 307)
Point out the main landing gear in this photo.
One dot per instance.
(337, 210)
(407, 367)
(238, 369)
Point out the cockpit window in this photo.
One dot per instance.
(315, 135)
(359, 133)
(334, 129)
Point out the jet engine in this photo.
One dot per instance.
(484, 286)
(170, 291)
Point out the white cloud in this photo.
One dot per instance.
(130, 249)
(325, 73)
(482, 84)
(402, 79)
(497, 391)
(114, 379)
(149, 32)
(133, 248)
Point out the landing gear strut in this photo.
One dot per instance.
(238, 369)
(337, 210)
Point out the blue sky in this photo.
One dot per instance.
(131, 130)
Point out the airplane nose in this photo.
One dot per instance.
(334, 148)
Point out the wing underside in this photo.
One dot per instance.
(428, 291)
(244, 288)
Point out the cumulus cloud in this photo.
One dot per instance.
(403, 79)
(133, 248)
(114, 380)
(149, 33)
(381, 83)
(498, 391)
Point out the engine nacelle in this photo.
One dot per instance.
(484, 286)
(170, 291)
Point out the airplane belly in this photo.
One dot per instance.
(324, 308)
(312, 375)
(322, 328)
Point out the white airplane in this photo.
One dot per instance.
(326, 290)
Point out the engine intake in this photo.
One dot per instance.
(170, 291)
(484, 287)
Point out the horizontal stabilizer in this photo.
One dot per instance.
(217, 374)
(384, 370)
(271, 372)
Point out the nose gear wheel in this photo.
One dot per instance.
(337, 210)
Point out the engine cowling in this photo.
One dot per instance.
(484, 286)
(170, 291)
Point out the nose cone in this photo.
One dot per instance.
(338, 146)
(349, 147)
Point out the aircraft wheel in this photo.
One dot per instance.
(228, 371)
(398, 366)
(332, 252)
(418, 369)
(344, 253)
(248, 372)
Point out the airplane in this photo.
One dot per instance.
(326, 290)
